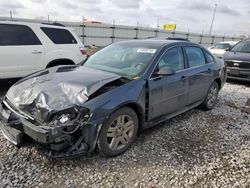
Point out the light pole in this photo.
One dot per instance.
(10, 14)
(157, 24)
(210, 30)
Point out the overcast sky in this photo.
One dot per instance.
(232, 16)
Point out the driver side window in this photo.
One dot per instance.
(172, 58)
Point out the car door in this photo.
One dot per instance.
(21, 52)
(200, 74)
(168, 94)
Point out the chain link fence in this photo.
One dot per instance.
(102, 35)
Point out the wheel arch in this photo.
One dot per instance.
(63, 61)
(218, 81)
(138, 109)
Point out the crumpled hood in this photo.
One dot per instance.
(57, 88)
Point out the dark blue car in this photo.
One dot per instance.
(123, 88)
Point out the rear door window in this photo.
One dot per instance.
(195, 56)
(15, 35)
(59, 36)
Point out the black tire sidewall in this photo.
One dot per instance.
(102, 144)
(205, 104)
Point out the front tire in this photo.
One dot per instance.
(118, 132)
(211, 97)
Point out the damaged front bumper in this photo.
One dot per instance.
(17, 127)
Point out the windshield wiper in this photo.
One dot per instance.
(82, 63)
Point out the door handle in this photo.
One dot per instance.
(209, 70)
(36, 52)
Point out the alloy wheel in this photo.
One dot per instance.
(120, 132)
(212, 95)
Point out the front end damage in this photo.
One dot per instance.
(50, 107)
(69, 133)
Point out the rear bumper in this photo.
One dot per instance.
(238, 73)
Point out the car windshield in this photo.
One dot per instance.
(222, 46)
(128, 60)
(242, 47)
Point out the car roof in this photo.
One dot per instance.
(229, 42)
(246, 40)
(155, 42)
(31, 24)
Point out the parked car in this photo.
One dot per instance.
(238, 61)
(220, 48)
(29, 47)
(121, 89)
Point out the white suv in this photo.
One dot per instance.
(220, 48)
(29, 47)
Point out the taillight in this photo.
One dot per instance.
(83, 51)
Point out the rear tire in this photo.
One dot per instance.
(211, 97)
(118, 132)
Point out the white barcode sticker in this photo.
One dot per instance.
(146, 50)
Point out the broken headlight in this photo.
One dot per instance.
(71, 117)
(64, 118)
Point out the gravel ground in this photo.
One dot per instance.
(196, 149)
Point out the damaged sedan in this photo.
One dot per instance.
(103, 104)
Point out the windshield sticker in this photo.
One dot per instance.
(146, 50)
(136, 78)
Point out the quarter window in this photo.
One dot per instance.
(209, 57)
(173, 58)
(59, 36)
(195, 56)
(15, 35)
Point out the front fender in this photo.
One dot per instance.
(132, 92)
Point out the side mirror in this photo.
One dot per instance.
(228, 49)
(163, 71)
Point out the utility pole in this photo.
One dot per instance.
(83, 25)
(10, 14)
(113, 31)
(210, 30)
(48, 18)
